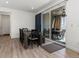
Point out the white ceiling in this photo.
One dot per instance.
(25, 5)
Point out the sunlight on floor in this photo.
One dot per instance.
(62, 40)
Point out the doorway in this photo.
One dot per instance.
(4, 25)
(54, 25)
(58, 25)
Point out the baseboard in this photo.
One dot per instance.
(5, 35)
(73, 49)
(15, 38)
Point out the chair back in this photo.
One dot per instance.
(35, 34)
(25, 29)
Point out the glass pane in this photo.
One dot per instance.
(46, 25)
(58, 25)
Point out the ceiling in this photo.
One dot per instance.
(26, 5)
(58, 11)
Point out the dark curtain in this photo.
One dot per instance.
(38, 22)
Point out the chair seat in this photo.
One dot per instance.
(33, 38)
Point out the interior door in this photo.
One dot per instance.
(0, 26)
(5, 24)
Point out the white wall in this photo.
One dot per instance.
(72, 34)
(19, 19)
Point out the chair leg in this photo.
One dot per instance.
(32, 44)
(28, 42)
(38, 43)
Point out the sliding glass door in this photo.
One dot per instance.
(46, 25)
(54, 24)
(58, 24)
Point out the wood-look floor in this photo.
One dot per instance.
(11, 48)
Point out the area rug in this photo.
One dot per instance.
(53, 47)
